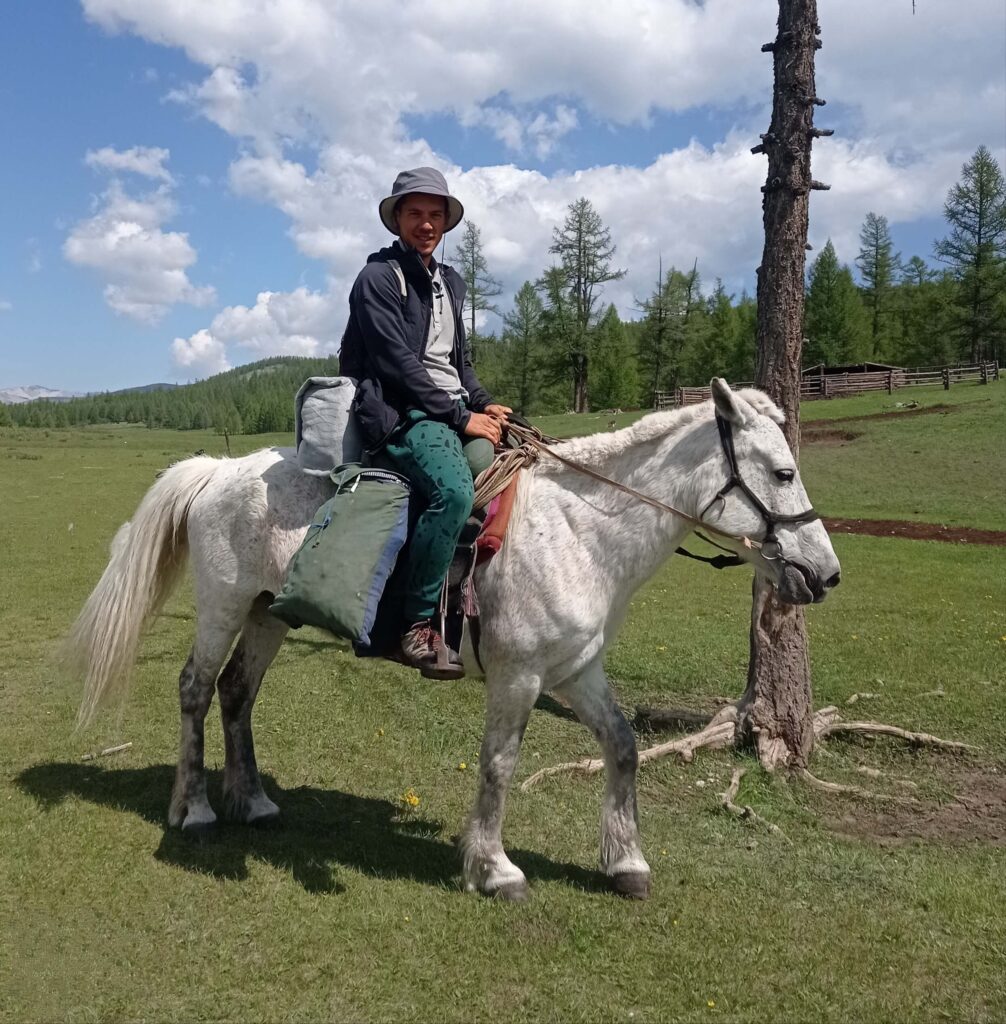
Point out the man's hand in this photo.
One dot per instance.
(481, 424)
(499, 411)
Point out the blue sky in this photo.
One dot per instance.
(189, 188)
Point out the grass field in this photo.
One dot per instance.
(352, 910)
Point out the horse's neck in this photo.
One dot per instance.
(626, 536)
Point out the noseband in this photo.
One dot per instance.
(770, 549)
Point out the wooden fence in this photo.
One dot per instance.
(835, 385)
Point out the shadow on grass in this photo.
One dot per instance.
(320, 828)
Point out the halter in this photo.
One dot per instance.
(771, 548)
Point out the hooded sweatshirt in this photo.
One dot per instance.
(386, 341)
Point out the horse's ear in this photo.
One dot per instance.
(729, 405)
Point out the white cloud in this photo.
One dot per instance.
(320, 97)
(145, 267)
(534, 131)
(300, 323)
(202, 352)
(6, 305)
(144, 160)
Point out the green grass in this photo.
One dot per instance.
(947, 467)
(351, 910)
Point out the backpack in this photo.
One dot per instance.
(326, 432)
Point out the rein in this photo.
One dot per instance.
(531, 442)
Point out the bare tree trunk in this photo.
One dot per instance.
(776, 710)
(580, 397)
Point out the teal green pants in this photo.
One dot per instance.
(430, 454)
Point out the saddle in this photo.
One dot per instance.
(481, 538)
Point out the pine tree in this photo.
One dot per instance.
(916, 271)
(835, 323)
(742, 365)
(877, 264)
(975, 251)
(671, 323)
(613, 377)
(480, 284)
(713, 339)
(585, 250)
(926, 316)
(522, 336)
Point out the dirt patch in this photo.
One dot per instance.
(922, 410)
(916, 531)
(976, 814)
(814, 436)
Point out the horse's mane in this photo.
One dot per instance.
(655, 425)
(599, 447)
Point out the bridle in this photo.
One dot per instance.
(531, 441)
(771, 549)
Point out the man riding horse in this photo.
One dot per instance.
(418, 403)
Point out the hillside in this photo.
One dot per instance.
(252, 399)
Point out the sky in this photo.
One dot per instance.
(190, 186)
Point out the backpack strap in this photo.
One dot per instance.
(400, 274)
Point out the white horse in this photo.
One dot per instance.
(552, 600)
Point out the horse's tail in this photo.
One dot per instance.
(148, 555)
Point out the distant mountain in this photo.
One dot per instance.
(29, 392)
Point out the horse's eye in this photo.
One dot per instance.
(786, 475)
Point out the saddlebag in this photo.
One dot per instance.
(336, 578)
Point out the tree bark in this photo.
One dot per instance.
(580, 396)
(776, 710)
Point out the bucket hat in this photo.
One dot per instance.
(427, 180)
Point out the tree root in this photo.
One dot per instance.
(917, 739)
(718, 734)
(745, 812)
(839, 787)
(722, 731)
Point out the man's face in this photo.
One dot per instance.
(421, 221)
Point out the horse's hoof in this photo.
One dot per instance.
(511, 892)
(633, 885)
(268, 819)
(199, 829)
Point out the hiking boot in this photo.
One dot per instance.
(424, 648)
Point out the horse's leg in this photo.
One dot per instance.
(238, 686)
(487, 869)
(622, 860)
(190, 807)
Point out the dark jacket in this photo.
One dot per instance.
(384, 343)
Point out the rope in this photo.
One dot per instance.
(531, 442)
(526, 444)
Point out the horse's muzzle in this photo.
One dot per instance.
(800, 585)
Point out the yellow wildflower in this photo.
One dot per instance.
(410, 798)
(711, 1003)
(463, 766)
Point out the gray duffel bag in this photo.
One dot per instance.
(326, 432)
